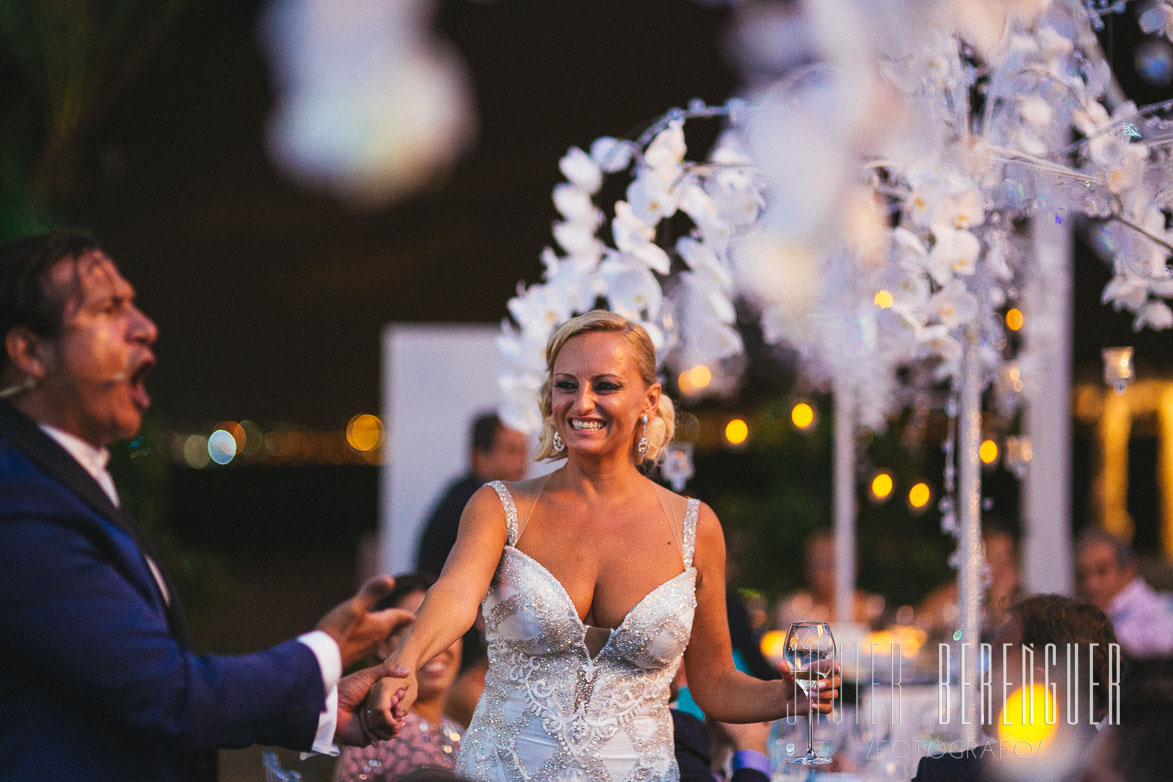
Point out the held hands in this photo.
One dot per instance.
(388, 701)
(352, 691)
(825, 690)
(356, 628)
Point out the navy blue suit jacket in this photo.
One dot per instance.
(96, 680)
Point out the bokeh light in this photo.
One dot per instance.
(736, 431)
(1014, 319)
(1029, 715)
(254, 438)
(695, 379)
(919, 495)
(774, 645)
(195, 451)
(802, 415)
(883, 299)
(882, 485)
(1154, 61)
(988, 452)
(364, 432)
(221, 446)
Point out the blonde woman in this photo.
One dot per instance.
(593, 580)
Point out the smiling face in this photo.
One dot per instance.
(90, 376)
(598, 395)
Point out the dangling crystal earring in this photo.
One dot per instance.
(643, 446)
(558, 444)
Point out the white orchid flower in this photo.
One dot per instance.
(523, 349)
(577, 278)
(611, 155)
(578, 239)
(737, 195)
(937, 340)
(520, 407)
(581, 171)
(1128, 169)
(703, 261)
(713, 341)
(923, 201)
(631, 288)
(575, 204)
(1035, 111)
(954, 305)
(961, 209)
(667, 148)
(539, 308)
(954, 252)
(651, 195)
(715, 231)
(1156, 315)
(628, 230)
(1125, 291)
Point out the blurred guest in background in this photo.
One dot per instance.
(938, 613)
(1107, 575)
(496, 453)
(816, 602)
(428, 739)
(1041, 716)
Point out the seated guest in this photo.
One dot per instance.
(1107, 575)
(428, 739)
(816, 601)
(1074, 627)
(938, 614)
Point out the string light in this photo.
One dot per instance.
(988, 452)
(882, 485)
(919, 495)
(736, 431)
(802, 415)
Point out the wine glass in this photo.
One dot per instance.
(809, 649)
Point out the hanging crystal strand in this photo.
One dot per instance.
(844, 486)
(969, 496)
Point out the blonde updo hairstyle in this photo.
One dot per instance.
(661, 424)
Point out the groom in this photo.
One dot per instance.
(97, 681)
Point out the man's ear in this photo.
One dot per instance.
(22, 345)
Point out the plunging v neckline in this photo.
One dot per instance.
(583, 626)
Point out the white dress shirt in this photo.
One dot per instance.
(93, 461)
(1142, 619)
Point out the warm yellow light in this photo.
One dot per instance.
(883, 299)
(364, 432)
(803, 415)
(1014, 319)
(988, 452)
(918, 495)
(684, 382)
(1029, 715)
(774, 645)
(736, 431)
(701, 376)
(881, 485)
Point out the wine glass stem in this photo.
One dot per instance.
(810, 732)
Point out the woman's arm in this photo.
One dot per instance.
(450, 606)
(724, 693)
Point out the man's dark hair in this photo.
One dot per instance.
(1061, 620)
(25, 298)
(405, 584)
(483, 433)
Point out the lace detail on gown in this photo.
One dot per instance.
(552, 711)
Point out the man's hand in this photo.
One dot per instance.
(827, 690)
(357, 629)
(352, 693)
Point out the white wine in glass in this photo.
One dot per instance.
(810, 648)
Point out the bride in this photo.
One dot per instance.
(593, 579)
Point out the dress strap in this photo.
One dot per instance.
(510, 511)
(690, 516)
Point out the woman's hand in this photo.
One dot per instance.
(826, 690)
(352, 691)
(387, 703)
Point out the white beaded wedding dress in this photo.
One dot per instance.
(552, 711)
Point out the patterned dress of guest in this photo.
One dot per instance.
(419, 745)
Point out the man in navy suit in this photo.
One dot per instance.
(96, 678)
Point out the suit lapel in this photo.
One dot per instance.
(42, 450)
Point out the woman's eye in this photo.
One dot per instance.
(606, 386)
(564, 385)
